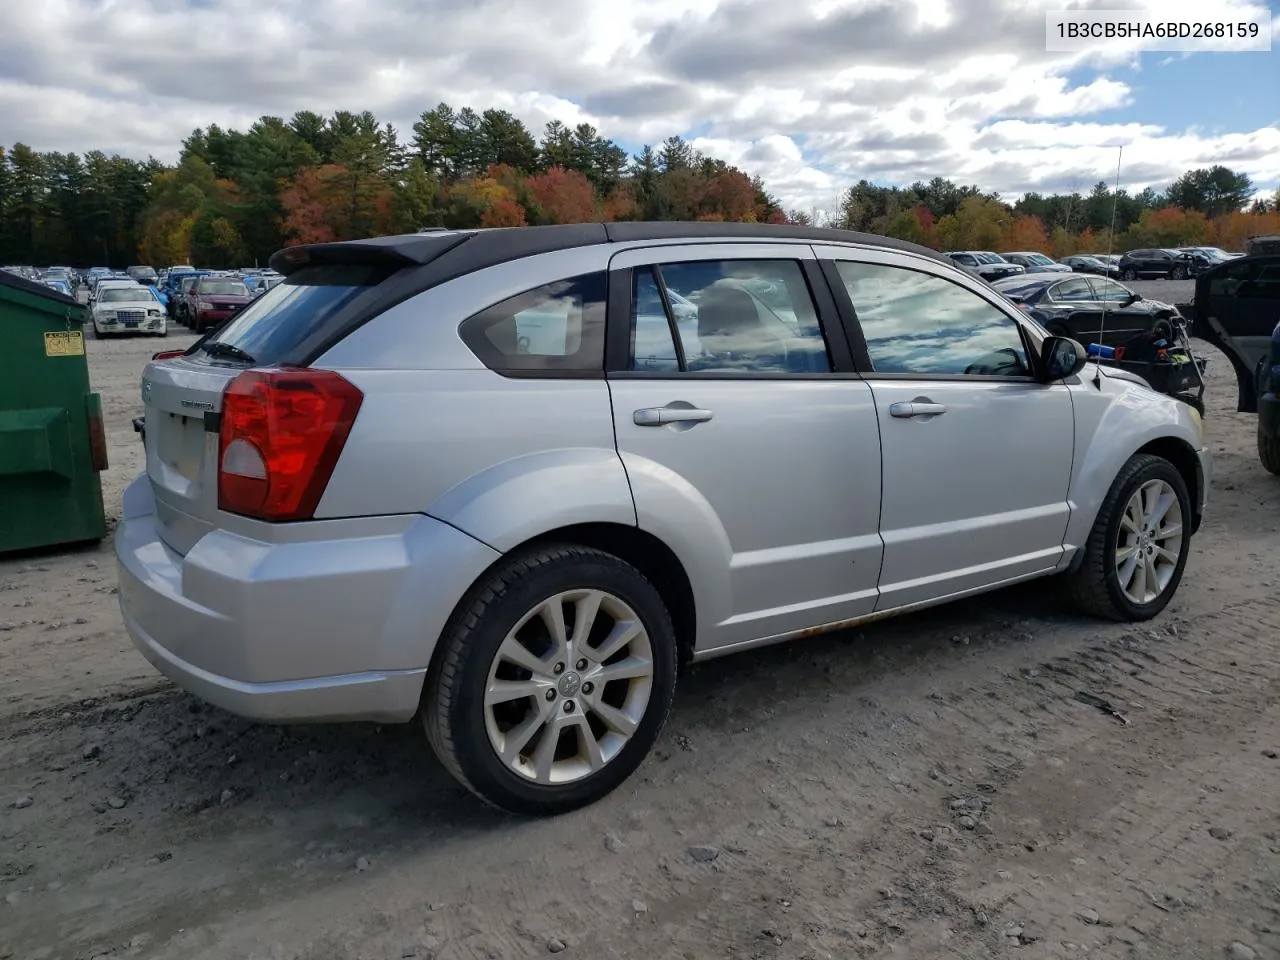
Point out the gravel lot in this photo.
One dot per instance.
(924, 788)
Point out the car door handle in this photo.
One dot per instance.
(905, 410)
(661, 416)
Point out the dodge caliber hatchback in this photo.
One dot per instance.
(508, 481)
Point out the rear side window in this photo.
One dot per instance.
(1227, 281)
(556, 330)
(280, 319)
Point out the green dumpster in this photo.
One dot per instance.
(52, 442)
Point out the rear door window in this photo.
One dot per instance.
(276, 322)
(1071, 291)
(1228, 281)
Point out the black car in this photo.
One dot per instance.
(1073, 306)
(1091, 265)
(1155, 262)
(1204, 258)
(1237, 309)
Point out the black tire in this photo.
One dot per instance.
(1269, 451)
(1129, 274)
(452, 707)
(1095, 587)
(1179, 273)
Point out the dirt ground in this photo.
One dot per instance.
(925, 788)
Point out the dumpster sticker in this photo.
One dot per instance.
(68, 343)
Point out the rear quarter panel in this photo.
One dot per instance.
(503, 459)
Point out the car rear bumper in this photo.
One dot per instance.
(337, 621)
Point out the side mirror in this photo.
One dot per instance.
(1133, 297)
(1061, 357)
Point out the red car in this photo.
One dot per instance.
(212, 301)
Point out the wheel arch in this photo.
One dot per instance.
(1183, 457)
(644, 551)
(1180, 454)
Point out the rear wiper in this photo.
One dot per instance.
(216, 348)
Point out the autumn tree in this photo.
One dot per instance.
(562, 196)
(1168, 227)
(1026, 233)
(978, 224)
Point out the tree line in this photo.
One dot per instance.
(234, 197)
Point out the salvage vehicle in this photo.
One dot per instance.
(1237, 309)
(1034, 262)
(434, 476)
(1073, 306)
(126, 306)
(989, 266)
(1156, 263)
(213, 300)
(1093, 265)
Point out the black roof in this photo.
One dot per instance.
(1032, 279)
(471, 250)
(420, 261)
(15, 282)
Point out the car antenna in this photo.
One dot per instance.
(1111, 240)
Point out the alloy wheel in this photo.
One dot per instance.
(568, 686)
(1149, 542)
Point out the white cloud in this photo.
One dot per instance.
(809, 94)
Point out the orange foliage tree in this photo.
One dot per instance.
(562, 196)
(1026, 233)
(308, 201)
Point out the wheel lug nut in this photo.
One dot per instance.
(588, 687)
(551, 694)
(558, 668)
(568, 706)
(582, 664)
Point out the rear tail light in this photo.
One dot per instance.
(280, 437)
(168, 354)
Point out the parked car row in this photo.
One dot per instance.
(1178, 263)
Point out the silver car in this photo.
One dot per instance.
(508, 482)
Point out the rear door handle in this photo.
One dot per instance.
(661, 416)
(905, 410)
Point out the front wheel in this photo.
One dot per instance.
(1137, 549)
(1129, 274)
(1269, 451)
(553, 681)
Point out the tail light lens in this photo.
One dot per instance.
(281, 434)
(168, 354)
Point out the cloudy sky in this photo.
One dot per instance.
(810, 94)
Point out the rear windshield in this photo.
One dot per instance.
(282, 317)
(123, 295)
(224, 288)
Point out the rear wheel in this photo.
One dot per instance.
(1179, 273)
(552, 685)
(1137, 550)
(1269, 451)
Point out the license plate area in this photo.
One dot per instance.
(179, 441)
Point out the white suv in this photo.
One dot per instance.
(434, 476)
